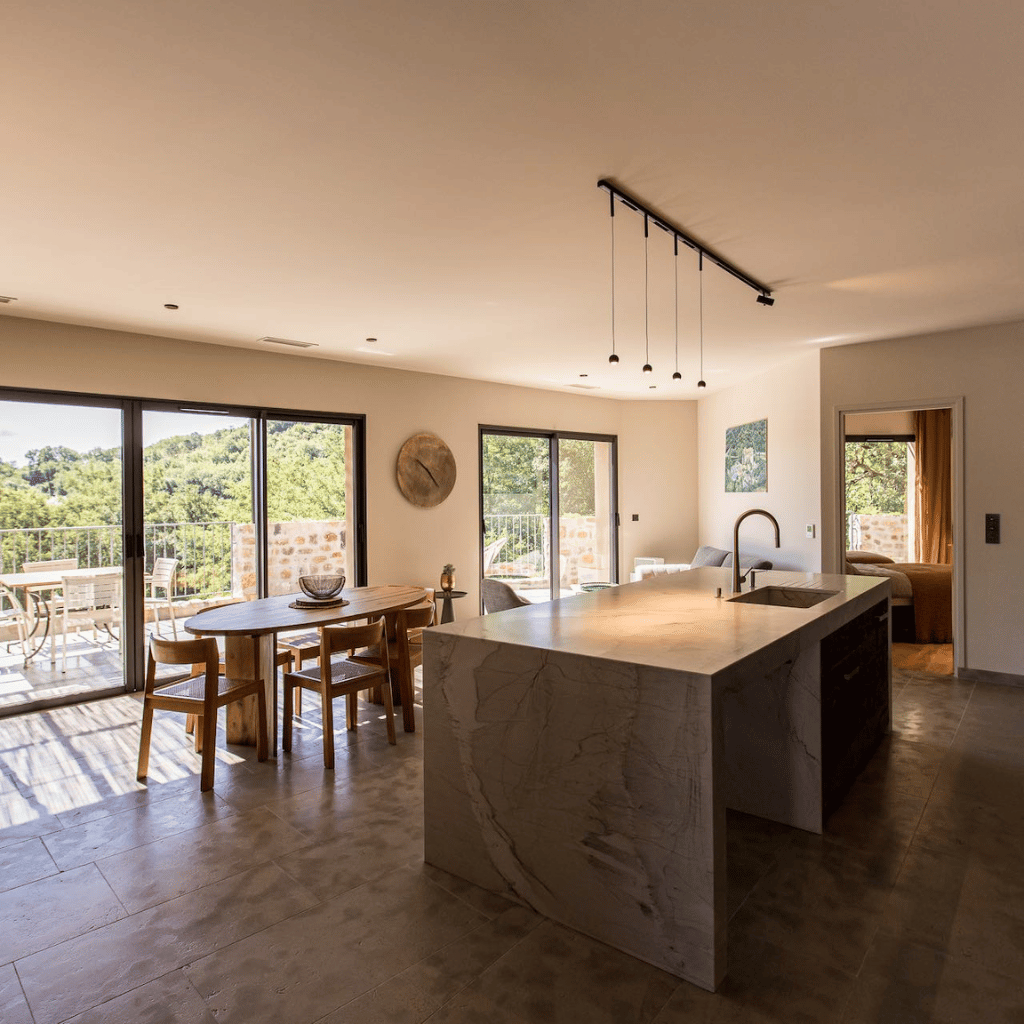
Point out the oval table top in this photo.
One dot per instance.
(272, 614)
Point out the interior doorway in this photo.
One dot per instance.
(900, 516)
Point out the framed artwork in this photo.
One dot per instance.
(746, 457)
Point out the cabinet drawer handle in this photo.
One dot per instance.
(849, 675)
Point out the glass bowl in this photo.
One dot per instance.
(322, 587)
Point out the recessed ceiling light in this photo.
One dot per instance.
(7, 298)
(170, 305)
(370, 341)
(290, 343)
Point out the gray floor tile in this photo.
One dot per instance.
(306, 967)
(44, 913)
(190, 860)
(905, 983)
(13, 1005)
(128, 830)
(554, 974)
(85, 971)
(24, 862)
(167, 1000)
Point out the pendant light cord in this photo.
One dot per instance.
(613, 272)
(647, 303)
(675, 270)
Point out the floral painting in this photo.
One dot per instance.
(746, 457)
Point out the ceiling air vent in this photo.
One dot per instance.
(585, 387)
(7, 298)
(290, 343)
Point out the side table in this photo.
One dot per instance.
(445, 597)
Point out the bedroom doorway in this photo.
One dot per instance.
(901, 496)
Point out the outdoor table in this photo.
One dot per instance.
(249, 629)
(32, 585)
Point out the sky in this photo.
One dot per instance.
(25, 426)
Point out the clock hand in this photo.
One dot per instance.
(427, 471)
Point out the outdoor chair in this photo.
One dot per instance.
(162, 578)
(90, 602)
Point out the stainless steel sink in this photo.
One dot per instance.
(784, 597)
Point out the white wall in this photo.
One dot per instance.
(788, 396)
(657, 440)
(983, 365)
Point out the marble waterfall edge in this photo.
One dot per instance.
(546, 778)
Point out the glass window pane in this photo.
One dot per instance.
(585, 512)
(879, 498)
(517, 513)
(60, 512)
(310, 528)
(197, 483)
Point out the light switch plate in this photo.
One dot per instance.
(809, 531)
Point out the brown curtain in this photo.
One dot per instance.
(933, 538)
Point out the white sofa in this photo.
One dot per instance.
(705, 555)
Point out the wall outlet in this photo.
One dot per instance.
(636, 518)
(809, 531)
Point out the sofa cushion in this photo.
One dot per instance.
(707, 555)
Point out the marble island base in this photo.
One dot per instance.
(593, 786)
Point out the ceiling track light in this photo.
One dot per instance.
(764, 292)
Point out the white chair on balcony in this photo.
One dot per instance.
(93, 603)
(15, 614)
(162, 578)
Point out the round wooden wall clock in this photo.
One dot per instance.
(426, 470)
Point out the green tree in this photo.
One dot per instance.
(876, 477)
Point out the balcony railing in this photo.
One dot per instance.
(202, 549)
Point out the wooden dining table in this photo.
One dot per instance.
(249, 629)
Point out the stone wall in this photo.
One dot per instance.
(294, 549)
(883, 534)
(582, 559)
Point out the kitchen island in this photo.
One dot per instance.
(580, 755)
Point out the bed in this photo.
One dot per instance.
(925, 589)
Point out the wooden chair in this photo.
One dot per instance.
(332, 678)
(162, 578)
(17, 615)
(202, 694)
(405, 651)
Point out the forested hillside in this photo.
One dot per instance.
(189, 478)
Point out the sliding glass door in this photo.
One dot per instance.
(61, 563)
(172, 508)
(548, 510)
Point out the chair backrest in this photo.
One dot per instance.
(185, 652)
(499, 597)
(163, 573)
(419, 615)
(53, 565)
(347, 638)
(491, 552)
(89, 593)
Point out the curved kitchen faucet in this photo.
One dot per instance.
(736, 541)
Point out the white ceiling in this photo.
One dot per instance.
(425, 173)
